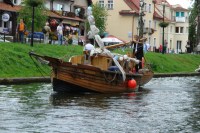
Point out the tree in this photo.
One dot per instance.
(193, 25)
(40, 14)
(100, 14)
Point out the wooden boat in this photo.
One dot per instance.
(76, 76)
(98, 70)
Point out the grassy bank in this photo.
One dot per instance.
(15, 61)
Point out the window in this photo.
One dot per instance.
(77, 11)
(181, 29)
(14, 1)
(145, 7)
(149, 8)
(177, 29)
(144, 23)
(149, 40)
(155, 25)
(101, 3)
(154, 42)
(177, 14)
(59, 7)
(182, 14)
(170, 29)
(179, 46)
(110, 4)
(149, 23)
(170, 44)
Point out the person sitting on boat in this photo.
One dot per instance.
(86, 50)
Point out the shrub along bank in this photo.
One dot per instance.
(16, 62)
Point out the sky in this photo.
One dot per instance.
(183, 3)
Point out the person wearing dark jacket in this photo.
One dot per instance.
(138, 52)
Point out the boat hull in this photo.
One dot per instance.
(81, 78)
(63, 86)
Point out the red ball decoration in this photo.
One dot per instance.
(132, 84)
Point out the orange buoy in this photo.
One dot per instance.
(132, 84)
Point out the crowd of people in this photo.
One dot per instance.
(61, 34)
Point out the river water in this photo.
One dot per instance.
(164, 105)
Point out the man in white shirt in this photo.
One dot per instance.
(60, 33)
(87, 48)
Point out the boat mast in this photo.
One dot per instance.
(141, 21)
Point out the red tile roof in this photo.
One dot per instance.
(53, 14)
(179, 8)
(135, 6)
(7, 7)
(157, 16)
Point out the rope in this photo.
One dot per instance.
(147, 65)
(112, 78)
(38, 67)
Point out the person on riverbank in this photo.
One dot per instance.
(60, 33)
(46, 35)
(21, 28)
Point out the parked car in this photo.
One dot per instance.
(36, 35)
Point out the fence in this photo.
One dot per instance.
(38, 37)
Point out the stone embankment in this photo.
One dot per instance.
(8, 81)
(26, 80)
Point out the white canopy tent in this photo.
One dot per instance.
(109, 40)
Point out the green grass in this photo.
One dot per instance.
(172, 63)
(15, 60)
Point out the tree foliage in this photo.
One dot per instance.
(193, 25)
(40, 16)
(100, 14)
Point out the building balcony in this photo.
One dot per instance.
(181, 19)
(148, 30)
(68, 14)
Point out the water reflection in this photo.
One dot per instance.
(194, 117)
(163, 105)
(92, 99)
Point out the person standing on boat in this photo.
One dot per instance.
(138, 52)
(86, 50)
(60, 33)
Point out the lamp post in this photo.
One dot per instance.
(33, 4)
(32, 29)
(141, 14)
(163, 38)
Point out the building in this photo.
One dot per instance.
(70, 12)
(122, 22)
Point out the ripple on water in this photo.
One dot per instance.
(163, 105)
